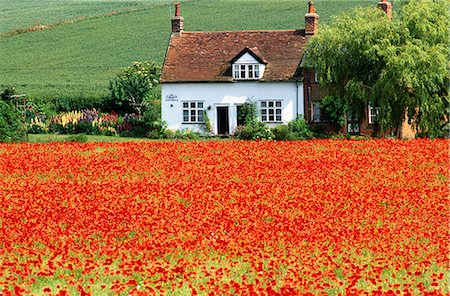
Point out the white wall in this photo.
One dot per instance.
(227, 94)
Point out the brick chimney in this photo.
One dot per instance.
(177, 21)
(386, 7)
(311, 20)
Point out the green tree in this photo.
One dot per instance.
(132, 89)
(11, 127)
(401, 65)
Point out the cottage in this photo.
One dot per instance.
(214, 73)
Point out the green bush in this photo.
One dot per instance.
(282, 133)
(300, 129)
(11, 127)
(295, 130)
(253, 130)
(184, 134)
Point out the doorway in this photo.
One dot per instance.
(223, 125)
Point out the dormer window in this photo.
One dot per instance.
(246, 71)
(248, 65)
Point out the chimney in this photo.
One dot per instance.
(386, 7)
(311, 20)
(177, 21)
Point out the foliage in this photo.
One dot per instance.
(131, 90)
(336, 108)
(300, 129)
(11, 127)
(297, 129)
(225, 217)
(248, 112)
(7, 93)
(400, 65)
(184, 134)
(254, 130)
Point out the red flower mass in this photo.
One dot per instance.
(225, 217)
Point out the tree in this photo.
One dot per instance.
(11, 127)
(401, 65)
(132, 89)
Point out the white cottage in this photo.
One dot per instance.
(216, 72)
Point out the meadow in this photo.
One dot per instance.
(225, 217)
(84, 43)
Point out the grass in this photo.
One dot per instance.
(49, 138)
(88, 42)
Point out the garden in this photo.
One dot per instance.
(225, 217)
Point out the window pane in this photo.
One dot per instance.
(278, 117)
(256, 69)
(185, 105)
(193, 119)
(278, 111)
(200, 115)
(200, 105)
(264, 118)
(193, 112)
(243, 72)
(192, 104)
(270, 104)
(277, 104)
(271, 118)
(270, 111)
(185, 115)
(264, 111)
(263, 104)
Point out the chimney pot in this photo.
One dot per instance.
(177, 9)
(311, 9)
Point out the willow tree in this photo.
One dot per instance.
(400, 64)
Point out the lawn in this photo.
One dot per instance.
(229, 217)
(88, 42)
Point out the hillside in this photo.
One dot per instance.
(87, 42)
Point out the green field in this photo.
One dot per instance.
(88, 41)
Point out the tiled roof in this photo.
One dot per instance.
(206, 56)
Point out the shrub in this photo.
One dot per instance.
(184, 134)
(253, 130)
(11, 127)
(282, 133)
(297, 129)
(300, 129)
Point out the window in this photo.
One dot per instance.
(193, 112)
(374, 112)
(246, 71)
(353, 124)
(271, 111)
(316, 112)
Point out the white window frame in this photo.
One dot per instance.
(195, 111)
(373, 113)
(246, 71)
(271, 109)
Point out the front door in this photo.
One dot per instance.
(223, 126)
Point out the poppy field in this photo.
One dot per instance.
(225, 217)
